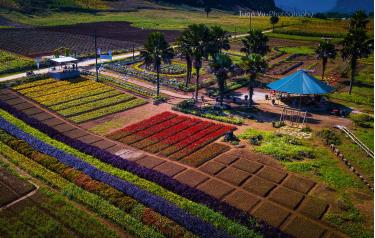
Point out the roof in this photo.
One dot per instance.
(301, 83)
(64, 59)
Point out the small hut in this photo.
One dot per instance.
(64, 68)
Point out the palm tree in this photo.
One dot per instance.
(253, 64)
(198, 36)
(359, 20)
(207, 9)
(157, 50)
(274, 20)
(184, 47)
(221, 66)
(326, 50)
(219, 40)
(356, 44)
(255, 43)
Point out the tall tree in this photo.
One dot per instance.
(255, 43)
(221, 66)
(326, 50)
(219, 40)
(156, 51)
(185, 49)
(198, 36)
(356, 44)
(208, 10)
(274, 20)
(253, 64)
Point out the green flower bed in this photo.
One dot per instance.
(108, 110)
(199, 210)
(95, 105)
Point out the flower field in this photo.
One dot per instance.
(175, 136)
(131, 196)
(10, 62)
(80, 100)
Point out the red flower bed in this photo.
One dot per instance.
(140, 135)
(199, 143)
(141, 125)
(165, 134)
(175, 136)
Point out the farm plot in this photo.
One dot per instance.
(80, 100)
(290, 63)
(42, 42)
(178, 137)
(10, 63)
(12, 187)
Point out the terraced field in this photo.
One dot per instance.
(79, 100)
(128, 195)
(178, 137)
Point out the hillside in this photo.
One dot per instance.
(349, 6)
(29, 6)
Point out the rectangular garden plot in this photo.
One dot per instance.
(182, 138)
(79, 100)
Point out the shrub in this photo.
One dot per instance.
(363, 120)
(329, 137)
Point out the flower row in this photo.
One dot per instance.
(33, 84)
(108, 110)
(61, 97)
(141, 125)
(164, 126)
(84, 100)
(115, 197)
(188, 198)
(165, 134)
(58, 89)
(192, 223)
(95, 105)
(94, 202)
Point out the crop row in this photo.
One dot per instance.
(205, 154)
(40, 85)
(191, 199)
(100, 206)
(95, 104)
(165, 134)
(33, 84)
(59, 89)
(192, 223)
(115, 197)
(141, 125)
(84, 100)
(108, 110)
(178, 137)
(60, 97)
(10, 62)
(164, 126)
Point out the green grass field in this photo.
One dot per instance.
(178, 19)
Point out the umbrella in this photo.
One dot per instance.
(301, 83)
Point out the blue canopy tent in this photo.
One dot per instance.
(301, 83)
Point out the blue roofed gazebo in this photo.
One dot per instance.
(301, 83)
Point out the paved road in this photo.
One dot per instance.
(83, 63)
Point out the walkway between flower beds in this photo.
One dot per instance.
(251, 182)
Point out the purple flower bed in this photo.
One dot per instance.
(152, 175)
(192, 223)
